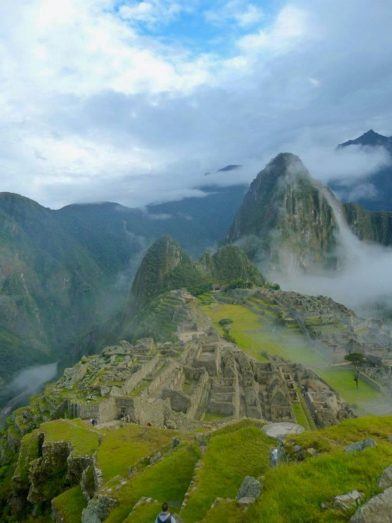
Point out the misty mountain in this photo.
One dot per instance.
(48, 284)
(286, 218)
(374, 191)
(288, 221)
(62, 272)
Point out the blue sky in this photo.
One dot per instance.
(202, 26)
(134, 101)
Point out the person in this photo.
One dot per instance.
(165, 516)
(274, 457)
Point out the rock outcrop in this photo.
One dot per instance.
(286, 218)
(377, 510)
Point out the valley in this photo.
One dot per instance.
(191, 360)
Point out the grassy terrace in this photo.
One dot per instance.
(254, 332)
(70, 504)
(293, 492)
(83, 439)
(232, 454)
(123, 447)
(167, 480)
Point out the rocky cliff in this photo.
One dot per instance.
(373, 226)
(286, 218)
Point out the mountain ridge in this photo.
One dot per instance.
(372, 191)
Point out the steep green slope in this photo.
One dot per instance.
(165, 267)
(231, 266)
(64, 272)
(198, 474)
(374, 226)
(48, 284)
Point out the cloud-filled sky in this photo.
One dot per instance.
(133, 101)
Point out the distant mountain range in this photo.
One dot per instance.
(64, 272)
(374, 191)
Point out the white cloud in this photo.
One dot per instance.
(152, 12)
(329, 164)
(290, 26)
(93, 107)
(242, 12)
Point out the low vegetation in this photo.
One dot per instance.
(200, 476)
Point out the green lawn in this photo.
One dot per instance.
(225, 510)
(253, 332)
(342, 380)
(145, 512)
(70, 504)
(167, 480)
(294, 492)
(84, 439)
(122, 447)
(232, 453)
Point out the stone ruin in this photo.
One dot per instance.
(187, 383)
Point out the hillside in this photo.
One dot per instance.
(49, 285)
(64, 273)
(201, 482)
(166, 405)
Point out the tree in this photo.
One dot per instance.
(357, 359)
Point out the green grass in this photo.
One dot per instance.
(144, 512)
(348, 431)
(121, 448)
(28, 451)
(232, 454)
(300, 415)
(70, 504)
(83, 439)
(342, 380)
(225, 510)
(253, 333)
(167, 480)
(244, 322)
(294, 492)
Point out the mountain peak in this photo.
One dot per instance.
(286, 217)
(370, 138)
(286, 164)
(164, 267)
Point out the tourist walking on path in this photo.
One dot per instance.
(165, 516)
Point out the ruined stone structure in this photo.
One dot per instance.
(180, 385)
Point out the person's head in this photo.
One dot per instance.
(165, 507)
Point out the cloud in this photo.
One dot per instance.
(243, 13)
(345, 165)
(364, 279)
(104, 100)
(290, 27)
(152, 12)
